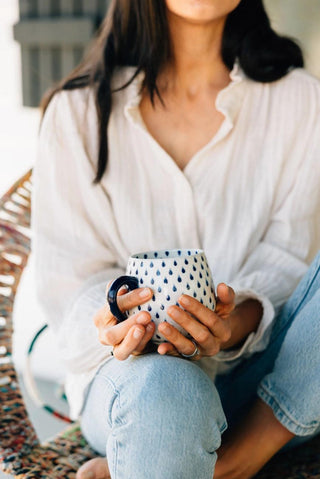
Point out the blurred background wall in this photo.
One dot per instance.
(51, 37)
(63, 27)
(299, 19)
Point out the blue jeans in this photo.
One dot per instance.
(162, 417)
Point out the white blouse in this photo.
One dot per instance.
(250, 198)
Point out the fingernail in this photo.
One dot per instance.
(165, 329)
(145, 293)
(137, 333)
(149, 327)
(143, 317)
(173, 312)
(184, 300)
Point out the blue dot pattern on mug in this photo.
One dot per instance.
(171, 273)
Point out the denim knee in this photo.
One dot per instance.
(163, 418)
(166, 423)
(292, 389)
(178, 390)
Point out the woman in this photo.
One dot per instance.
(200, 129)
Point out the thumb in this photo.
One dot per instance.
(225, 293)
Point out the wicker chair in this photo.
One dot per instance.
(21, 453)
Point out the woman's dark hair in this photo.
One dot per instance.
(135, 33)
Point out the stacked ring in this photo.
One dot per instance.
(195, 352)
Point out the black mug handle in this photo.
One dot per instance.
(131, 282)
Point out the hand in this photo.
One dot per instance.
(132, 335)
(209, 329)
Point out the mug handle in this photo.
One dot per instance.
(131, 282)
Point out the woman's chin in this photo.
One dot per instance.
(201, 11)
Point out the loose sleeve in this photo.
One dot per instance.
(274, 267)
(73, 234)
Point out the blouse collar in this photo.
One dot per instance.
(228, 100)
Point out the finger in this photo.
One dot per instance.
(124, 287)
(123, 290)
(116, 334)
(104, 317)
(167, 348)
(134, 298)
(145, 293)
(150, 328)
(225, 301)
(225, 294)
(197, 330)
(204, 315)
(180, 342)
(130, 343)
(208, 341)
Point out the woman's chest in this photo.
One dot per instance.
(223, 199)
(182, 129)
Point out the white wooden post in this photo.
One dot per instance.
(68, 7)
(53, 35)
(44, 8)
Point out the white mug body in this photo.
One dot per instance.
(171, 273)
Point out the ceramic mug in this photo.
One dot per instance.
(169, 273)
